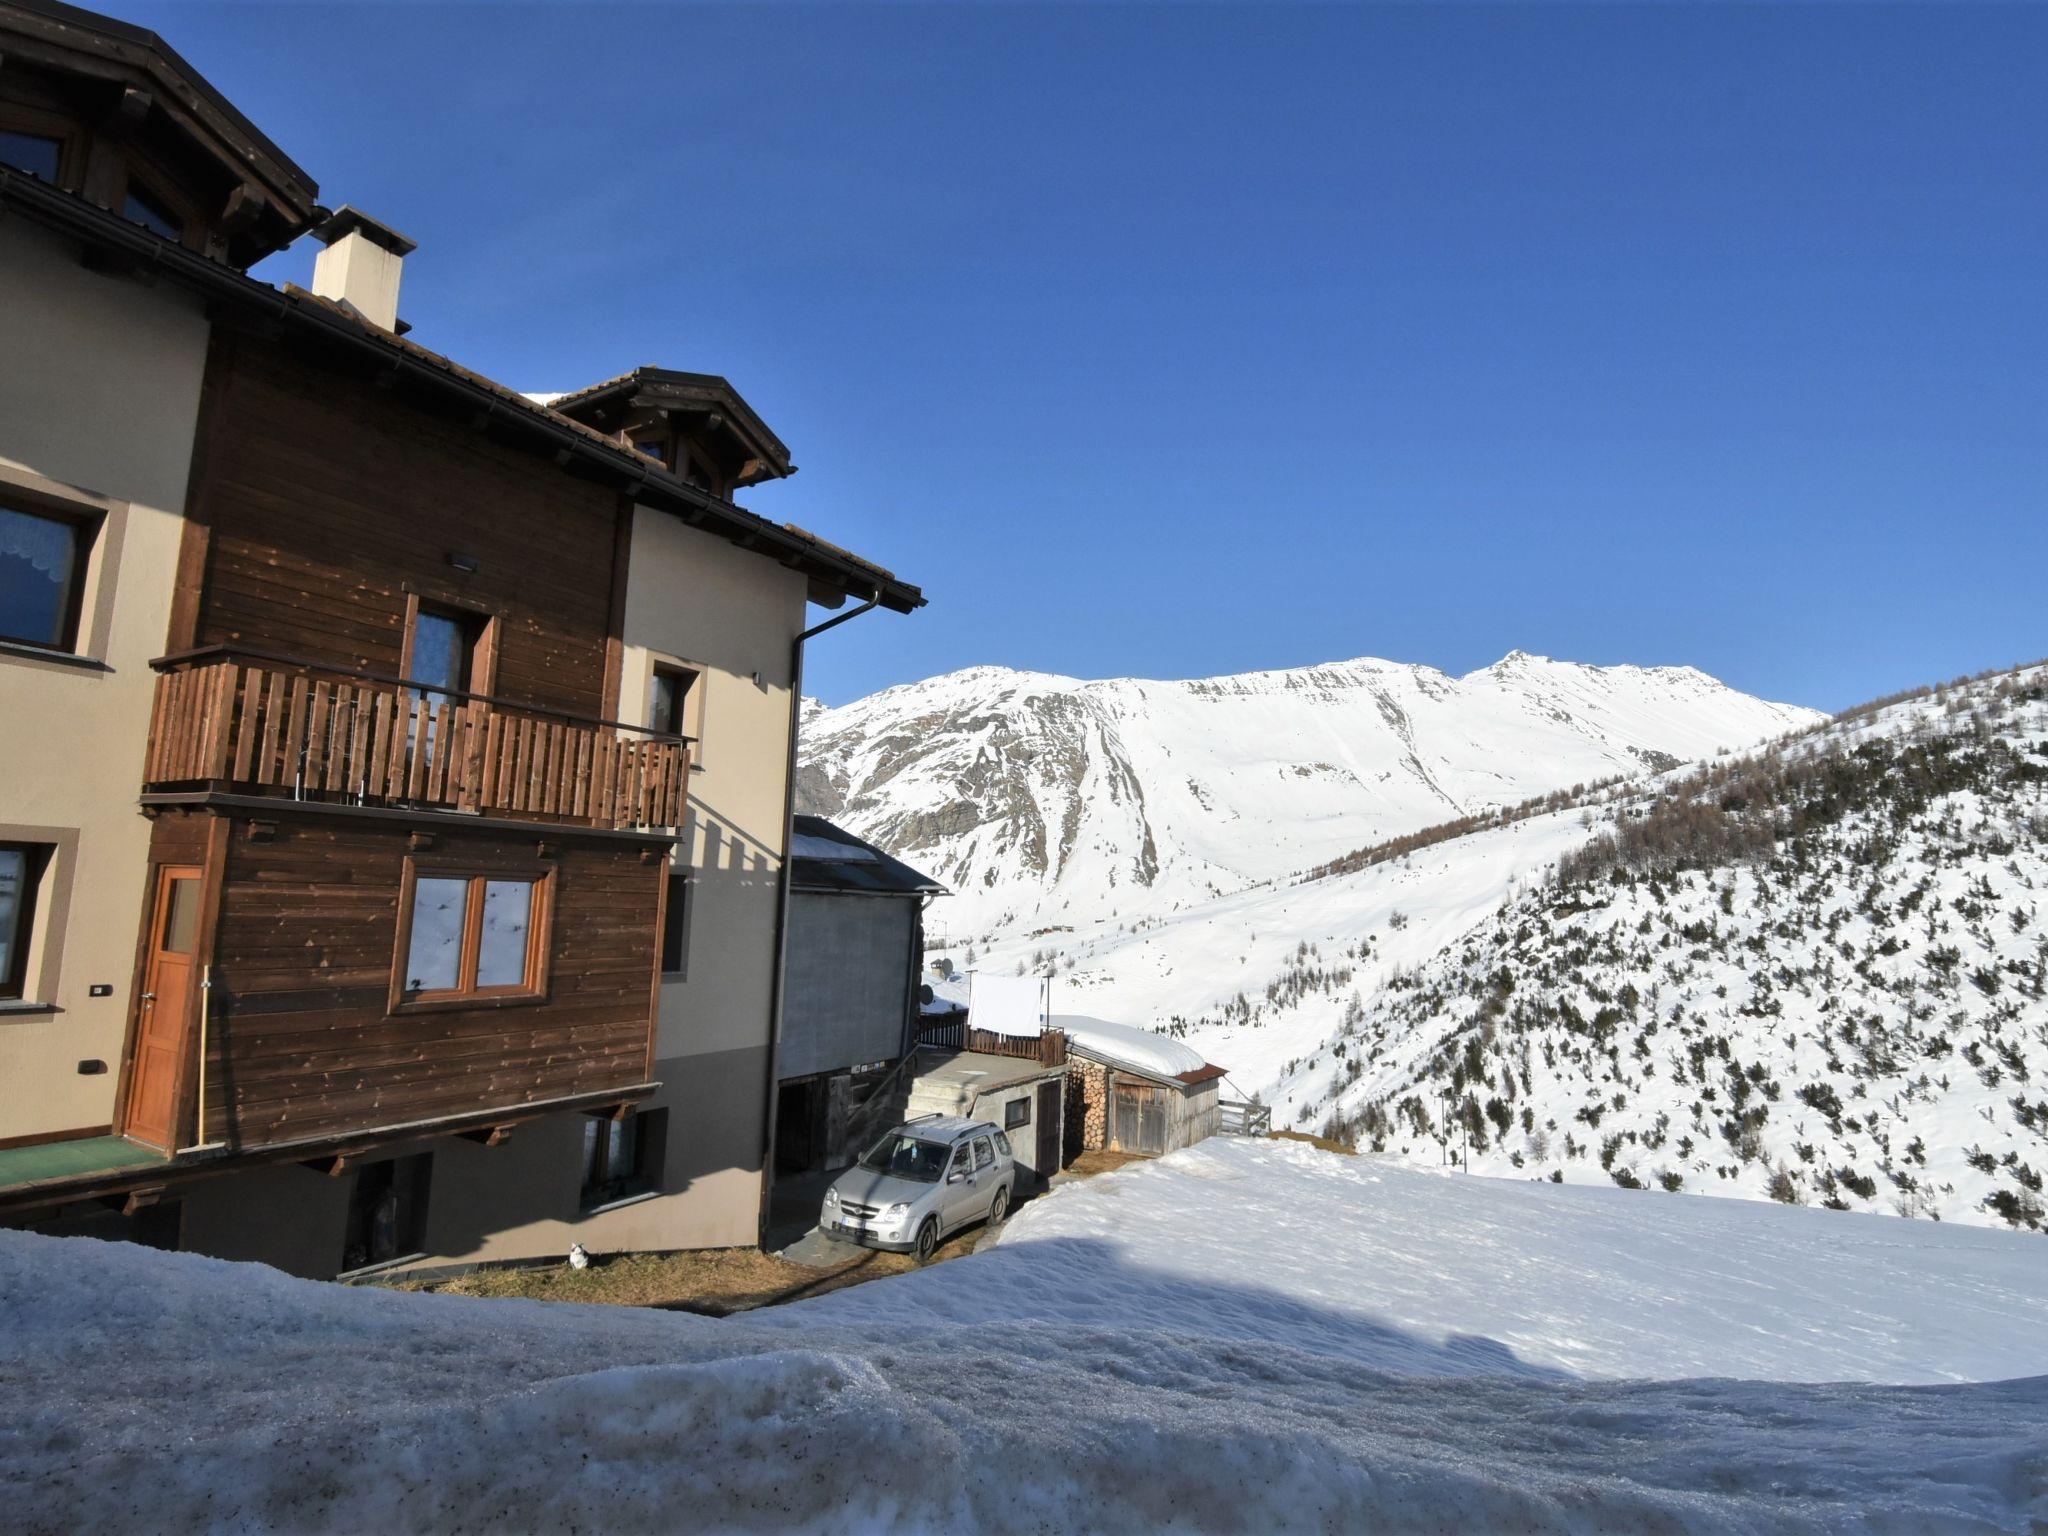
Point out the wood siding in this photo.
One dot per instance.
(321, 503)
(302, 1042)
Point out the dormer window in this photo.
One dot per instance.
(104, 111)
(40, 155)
(153, 213)
(656, 447)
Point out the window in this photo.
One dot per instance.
(42, 576)
(669, 700)
(622, 1157)
(675, 926)
(21, 869)
(1015, 1113)
(387, 1212)
(472, 937)
(150, 210)
(1003, 1144)
(984, 1154)
(448, 648)
(655, 447)
(39, 154)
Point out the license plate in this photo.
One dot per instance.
(851, 1224)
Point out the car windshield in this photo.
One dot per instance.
(905, 1157)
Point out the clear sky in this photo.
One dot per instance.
(1171, 341)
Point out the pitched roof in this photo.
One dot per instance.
(525, 421)
(828, 858)
(668, 389)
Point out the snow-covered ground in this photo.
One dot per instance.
(1243, 1336)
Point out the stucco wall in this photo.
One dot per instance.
(993, 1107)
(105, 418)
(696, 600)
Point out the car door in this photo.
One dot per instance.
(988, 1174)
(962, 1199)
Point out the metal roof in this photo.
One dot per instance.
(823, 857)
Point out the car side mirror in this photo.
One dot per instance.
(957, 1176)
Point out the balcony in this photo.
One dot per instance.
(248, 722)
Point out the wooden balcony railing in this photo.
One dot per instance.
(271, 725)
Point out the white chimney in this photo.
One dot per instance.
(361, 264)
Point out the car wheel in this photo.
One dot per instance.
(999, 1208)
(927, 1241)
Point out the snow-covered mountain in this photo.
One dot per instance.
(1046, 802)
(1819, 975)
(1814, 973)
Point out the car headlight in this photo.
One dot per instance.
(832, 1196)
(897, 1211)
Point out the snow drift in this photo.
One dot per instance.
(1242, 1336)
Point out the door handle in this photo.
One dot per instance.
(149, 997)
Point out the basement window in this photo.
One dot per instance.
(387, 1213)
(472, 937)
(622, 1157)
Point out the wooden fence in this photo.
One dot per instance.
(278, 728)
(1238, 1119)
(1048, 1049)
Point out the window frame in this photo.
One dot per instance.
(481, 672)
(85, 526)
(690, 698)
(39, 124)
(650, 1144)
(1011, 1119)
(694, 702)
(530, 989)
(159, 183)
(676, 914)
(35, 862)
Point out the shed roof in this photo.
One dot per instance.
(828, 858)
(1140, 1051)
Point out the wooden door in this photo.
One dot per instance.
(1138, 1123)
(1048, 1159)
(165, 1007)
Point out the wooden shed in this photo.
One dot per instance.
(1130, 1090)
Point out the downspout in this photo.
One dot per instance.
(796, 707)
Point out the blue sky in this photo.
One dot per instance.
(1173, 341)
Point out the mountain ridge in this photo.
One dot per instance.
(1041, 798)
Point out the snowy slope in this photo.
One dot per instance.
(1852, 1015)
(1886, 965)
(1046, 801)
(1353, 1346)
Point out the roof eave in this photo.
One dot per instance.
(632, 473)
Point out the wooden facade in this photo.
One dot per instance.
(304, 1042)
(304, 760)
(326, 509)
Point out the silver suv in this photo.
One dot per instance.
(921, 1183)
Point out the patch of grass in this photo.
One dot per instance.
(1103, 1160)
(711, 1282)
(1325, 1142)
